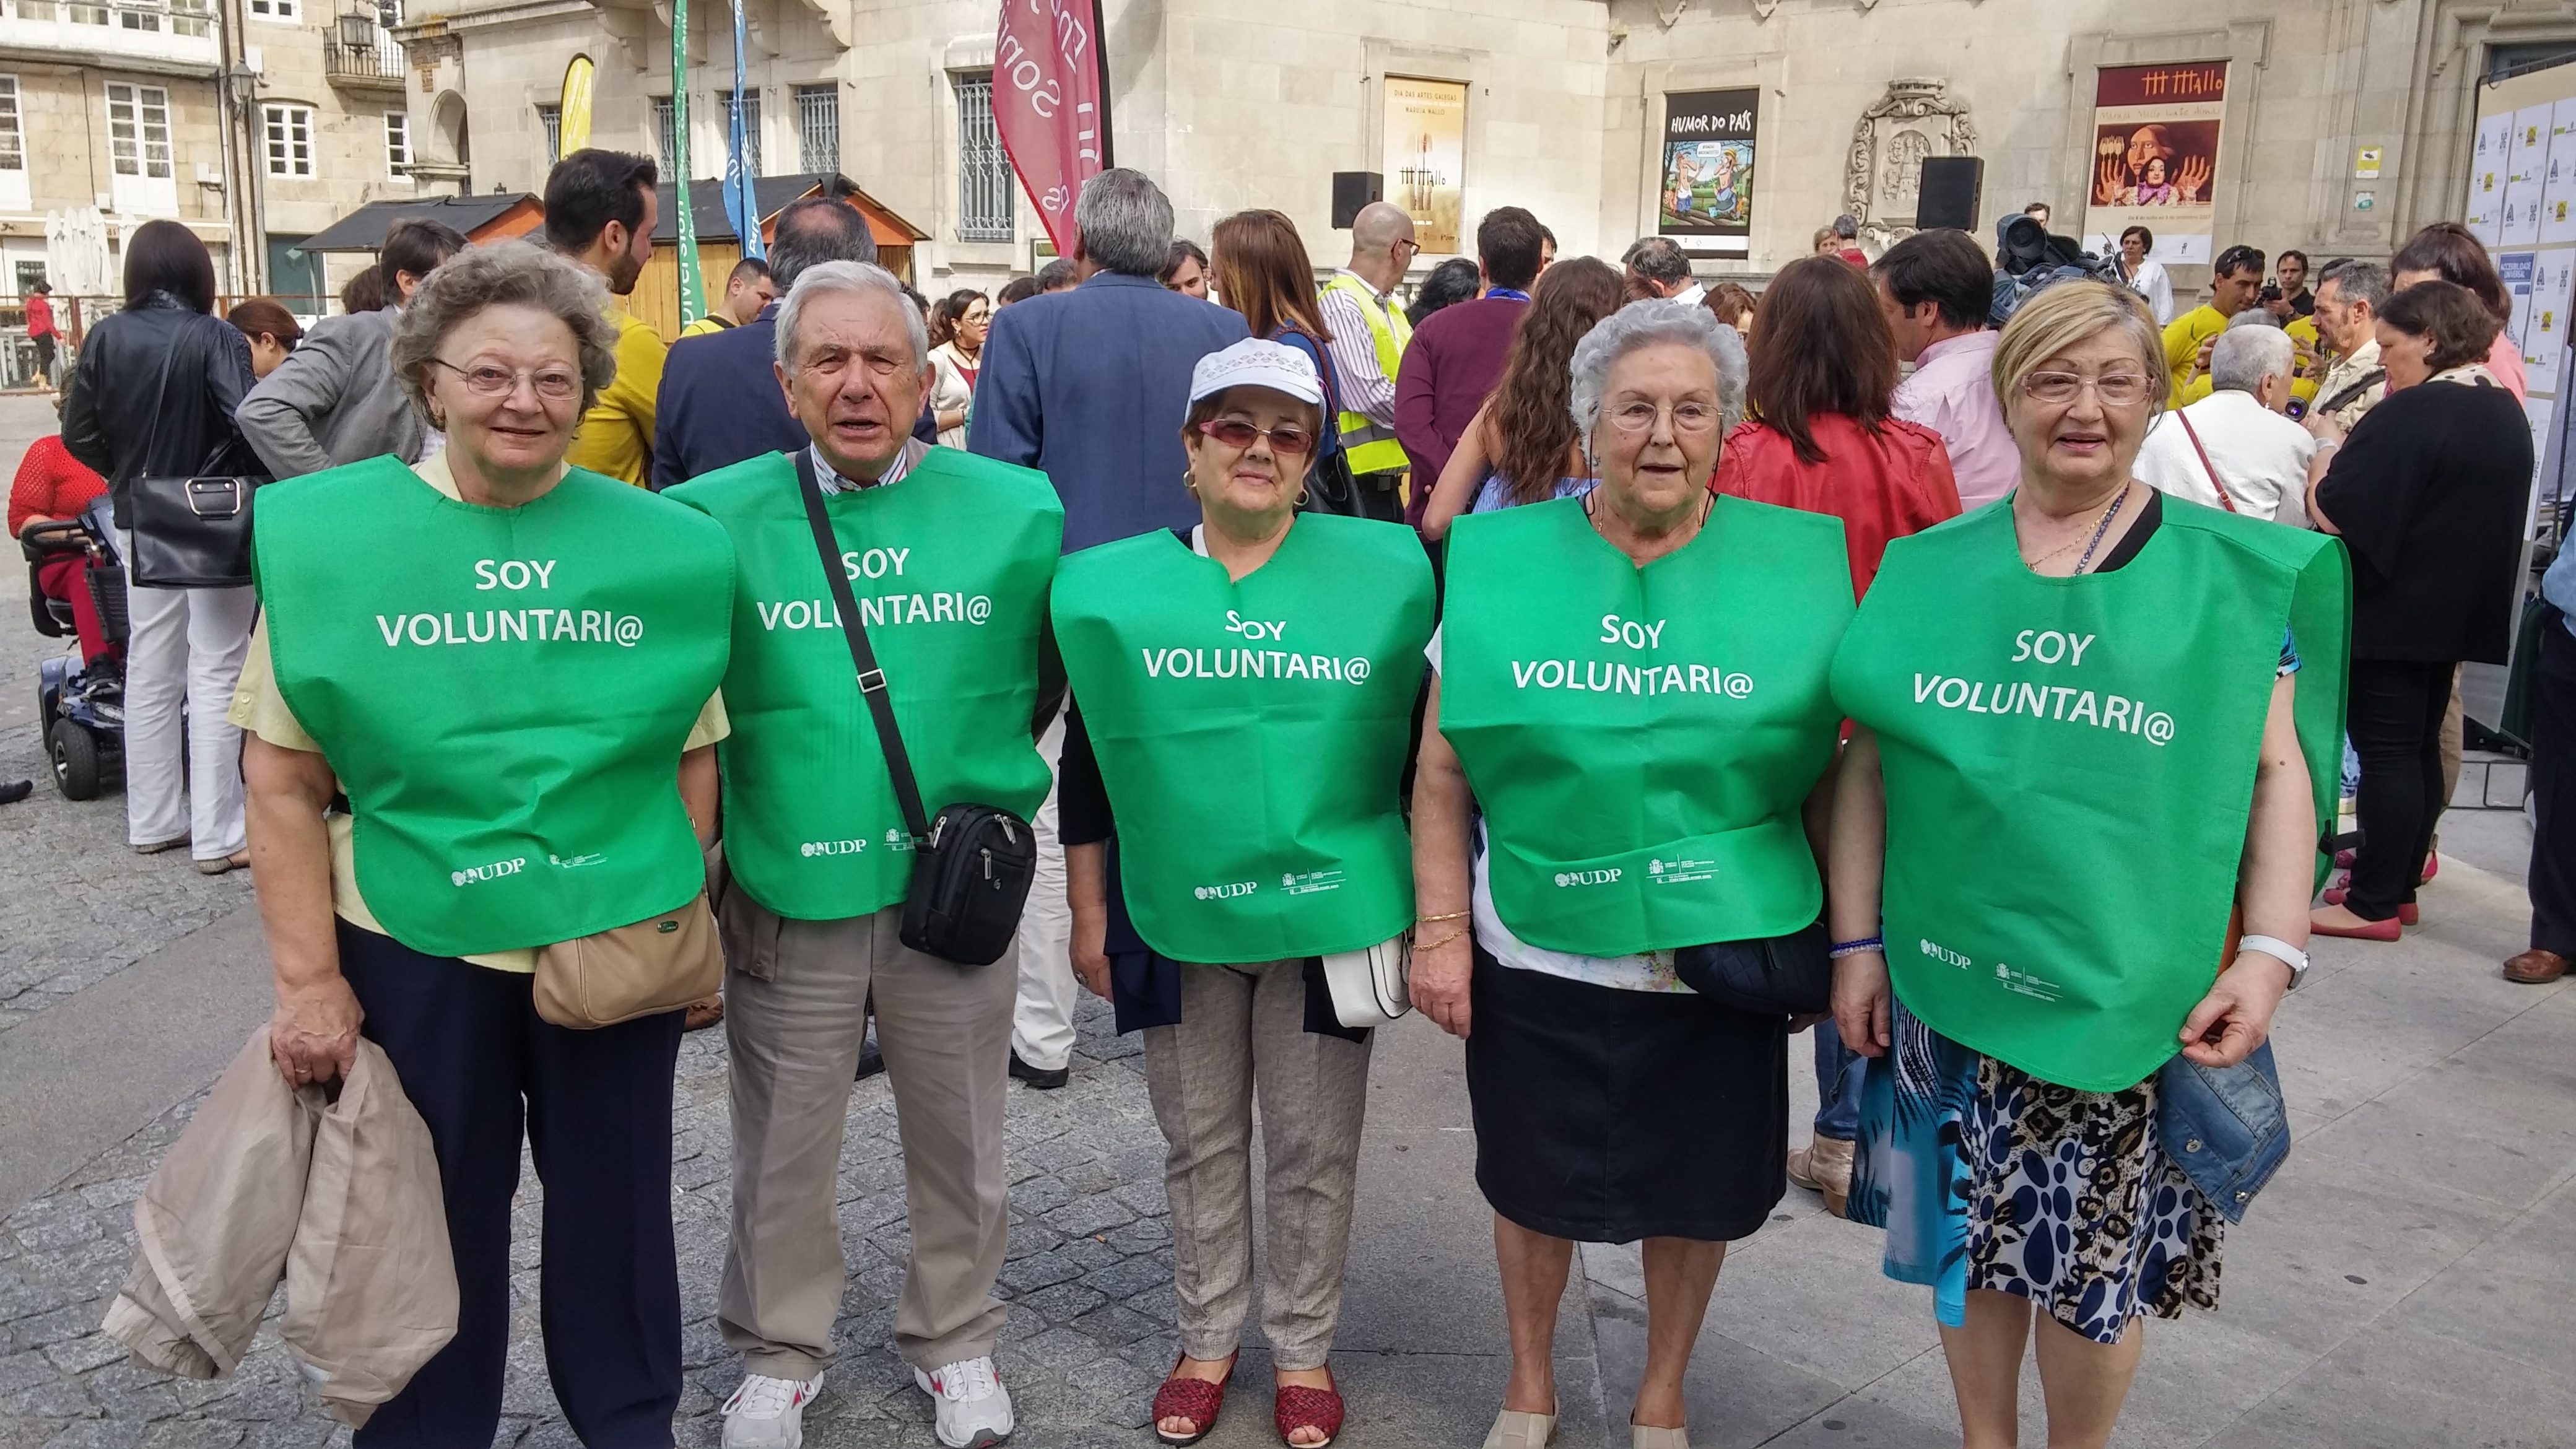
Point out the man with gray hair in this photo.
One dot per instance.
(950, 557)
(2236, 448)
(2349, 296)
(718, 404)
(1370, 333)
(1091, 387)
(1658, 267)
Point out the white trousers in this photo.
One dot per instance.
(184, 645)
(1042, 1022)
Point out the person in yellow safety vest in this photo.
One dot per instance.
(1369, 333)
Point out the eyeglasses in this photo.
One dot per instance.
(2116, 389)
(552, 384)
(1688, 417)
(1235, 433)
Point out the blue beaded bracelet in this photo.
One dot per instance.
(1854, 948)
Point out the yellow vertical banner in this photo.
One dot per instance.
(575, 118)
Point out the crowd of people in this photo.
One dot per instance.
(1780, 697)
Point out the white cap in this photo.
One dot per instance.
(1257, 363)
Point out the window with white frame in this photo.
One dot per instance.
(397, 142)
(666, 135)
(818, 128)
(983, 167)
(13, 138)
(289, 139)
(138, 130)
(274, 9)
(550, 120)
(750, 127)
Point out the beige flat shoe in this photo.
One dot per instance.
(1641, 1437)
(238, 860)
(1516, 1430)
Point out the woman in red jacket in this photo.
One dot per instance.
(52, 484)
(1820, 439)
(1820, 436)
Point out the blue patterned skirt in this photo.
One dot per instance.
(1985, 1176)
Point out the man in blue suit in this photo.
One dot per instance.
(1091, 386)
(720, 401)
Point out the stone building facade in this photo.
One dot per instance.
(2344, 123)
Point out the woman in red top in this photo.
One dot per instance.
(52, 484)
(1820, 437)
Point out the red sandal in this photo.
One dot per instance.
(1301, 1407)
(1197, 1400)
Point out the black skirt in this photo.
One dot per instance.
(1606, 1116)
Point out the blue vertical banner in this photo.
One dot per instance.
(740, 208)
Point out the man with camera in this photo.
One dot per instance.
(934, 564)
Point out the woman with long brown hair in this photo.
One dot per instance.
(1260, 269)
(1522, 446)
(1822, 439)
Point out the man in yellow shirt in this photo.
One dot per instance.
(600, 210)
(748, 288)
(2236, 279)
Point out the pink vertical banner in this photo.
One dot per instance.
(1051, 104)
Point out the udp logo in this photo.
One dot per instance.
(1225, 892)
(1603, 876)
(497, 869)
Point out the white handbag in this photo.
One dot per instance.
(1369, 987)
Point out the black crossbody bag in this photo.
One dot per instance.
(972, 865)
(192, 531)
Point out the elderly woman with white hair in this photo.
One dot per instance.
(2085, 673)
(941, 561)
(2237, 449)
(1632, 691)
(481, 724)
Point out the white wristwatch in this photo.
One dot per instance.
(2281, 951)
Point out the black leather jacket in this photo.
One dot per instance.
(120, 416)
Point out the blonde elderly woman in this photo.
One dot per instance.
(1282, 652)
(481, 721)
(2084, 794)
(1632, 690)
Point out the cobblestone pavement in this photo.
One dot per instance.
(1089, 1279)
(75, 906)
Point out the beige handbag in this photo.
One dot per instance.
(661, 963)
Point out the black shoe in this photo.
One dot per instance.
(871, 1061)
(1039, 1079)
(12, 793)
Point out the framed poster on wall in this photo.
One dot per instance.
(1705, 199)
(2155, 156)
(1426, 156)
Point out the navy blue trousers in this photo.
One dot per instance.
(595, 1106)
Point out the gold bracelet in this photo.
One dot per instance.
(1443, 941)
(1451, 916)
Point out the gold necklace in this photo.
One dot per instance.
(2095, 532)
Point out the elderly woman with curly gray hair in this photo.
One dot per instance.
(481, 719)
(1630, 716)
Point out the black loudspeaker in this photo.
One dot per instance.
(1353, 190)
(1951, 185)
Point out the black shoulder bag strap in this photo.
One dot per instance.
(863, 656)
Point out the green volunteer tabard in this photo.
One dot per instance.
(1641, 740)
(2070, 770)
(1252, 733)
(950, 566)
(503, 692)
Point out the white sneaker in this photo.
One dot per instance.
(974, 1408)
(768, 1413)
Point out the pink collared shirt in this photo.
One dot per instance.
(1952, 393)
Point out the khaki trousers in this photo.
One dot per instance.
(1242, 1033)
(795, 1013)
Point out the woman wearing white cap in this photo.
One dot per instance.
(1244, 695)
